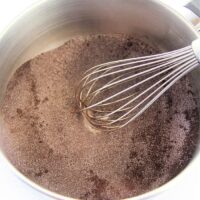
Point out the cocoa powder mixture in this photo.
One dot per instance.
(48, 142)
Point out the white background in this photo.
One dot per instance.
(11, 188)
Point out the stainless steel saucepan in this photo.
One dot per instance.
(49, 23)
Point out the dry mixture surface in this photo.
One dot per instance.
(48, 142)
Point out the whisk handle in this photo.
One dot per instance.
(196, 48)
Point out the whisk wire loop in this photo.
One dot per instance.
(113, 94)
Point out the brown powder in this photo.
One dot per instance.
(48, 142)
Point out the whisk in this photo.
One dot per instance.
(113, 94)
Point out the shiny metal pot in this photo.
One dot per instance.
(49, 23)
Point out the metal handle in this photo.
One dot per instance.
(194, 6)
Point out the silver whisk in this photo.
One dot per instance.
(113, 94)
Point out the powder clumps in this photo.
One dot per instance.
(48, 142)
